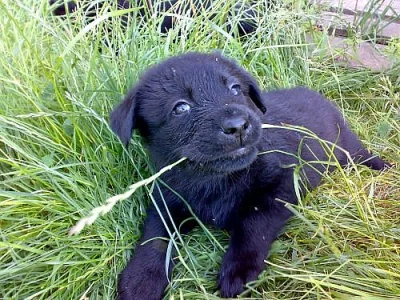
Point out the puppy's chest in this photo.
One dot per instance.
(219, 206)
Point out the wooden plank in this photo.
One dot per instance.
(382, 21)
(390, 8)
(381, 30)
(362, 55)
(374, 25)
(366, 55)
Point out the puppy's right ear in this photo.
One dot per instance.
(122, 118)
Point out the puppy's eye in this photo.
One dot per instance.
(181, 108)
(235, 89)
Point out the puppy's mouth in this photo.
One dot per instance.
(238, 152)
(229, 162)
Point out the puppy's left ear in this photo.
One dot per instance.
(253, 90)
(255, 95)
(122, 118)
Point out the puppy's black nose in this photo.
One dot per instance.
(235, 125)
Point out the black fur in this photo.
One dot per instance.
(152, 7)
(208, 109)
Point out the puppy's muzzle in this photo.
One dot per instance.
(237, 125)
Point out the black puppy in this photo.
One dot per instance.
(150, 7)
(237, 176)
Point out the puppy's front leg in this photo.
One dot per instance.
(145, 277)
(250, 241)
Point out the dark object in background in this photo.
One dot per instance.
(62, 7)
(177, 7)
(208, 109)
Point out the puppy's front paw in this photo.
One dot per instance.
(235, 273)
(141, 285)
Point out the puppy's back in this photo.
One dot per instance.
(306, 108)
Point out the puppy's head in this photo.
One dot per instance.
(200, 106)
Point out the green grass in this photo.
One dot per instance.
(59, 160)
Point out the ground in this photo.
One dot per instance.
(60, 78)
